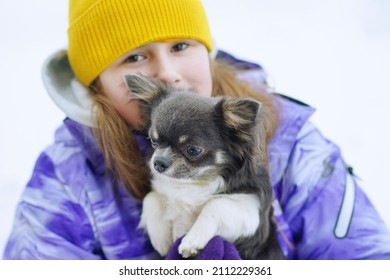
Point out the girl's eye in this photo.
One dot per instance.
(134, 58)
(180, 47)
(154, 143)
(194, 151)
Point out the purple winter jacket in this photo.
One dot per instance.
(72, 209)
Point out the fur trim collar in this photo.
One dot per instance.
(66, 91)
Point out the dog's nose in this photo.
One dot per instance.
(161, 164)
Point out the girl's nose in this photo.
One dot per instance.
(166, 71)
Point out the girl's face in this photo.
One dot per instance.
(183, 63)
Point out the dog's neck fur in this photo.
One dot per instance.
(186, 191)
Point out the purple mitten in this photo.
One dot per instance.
(216, 249)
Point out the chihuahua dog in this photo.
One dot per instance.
(209, 171)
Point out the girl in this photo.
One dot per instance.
(85, 194)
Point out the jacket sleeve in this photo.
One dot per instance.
(329, 214)
(50, 223)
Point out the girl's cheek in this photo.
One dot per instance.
(132, 114)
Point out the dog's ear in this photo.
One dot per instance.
(240, 113)
(245, 119)
(142, 89)
(148, 92)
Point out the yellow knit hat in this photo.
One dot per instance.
(101, 31)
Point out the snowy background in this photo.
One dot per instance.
(331, 54)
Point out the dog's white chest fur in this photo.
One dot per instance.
(176, 208)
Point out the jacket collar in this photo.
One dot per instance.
(84, 137)
(292, 117)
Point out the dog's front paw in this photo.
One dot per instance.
(160, 235)
(161, 245)
(153, 222)
(191, 245)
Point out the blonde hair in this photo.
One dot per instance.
(121, 153)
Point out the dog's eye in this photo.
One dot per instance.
(194, 151)
(153, 142)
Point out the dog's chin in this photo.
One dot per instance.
(186, 178)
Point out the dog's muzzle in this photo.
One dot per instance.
(161, 164)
